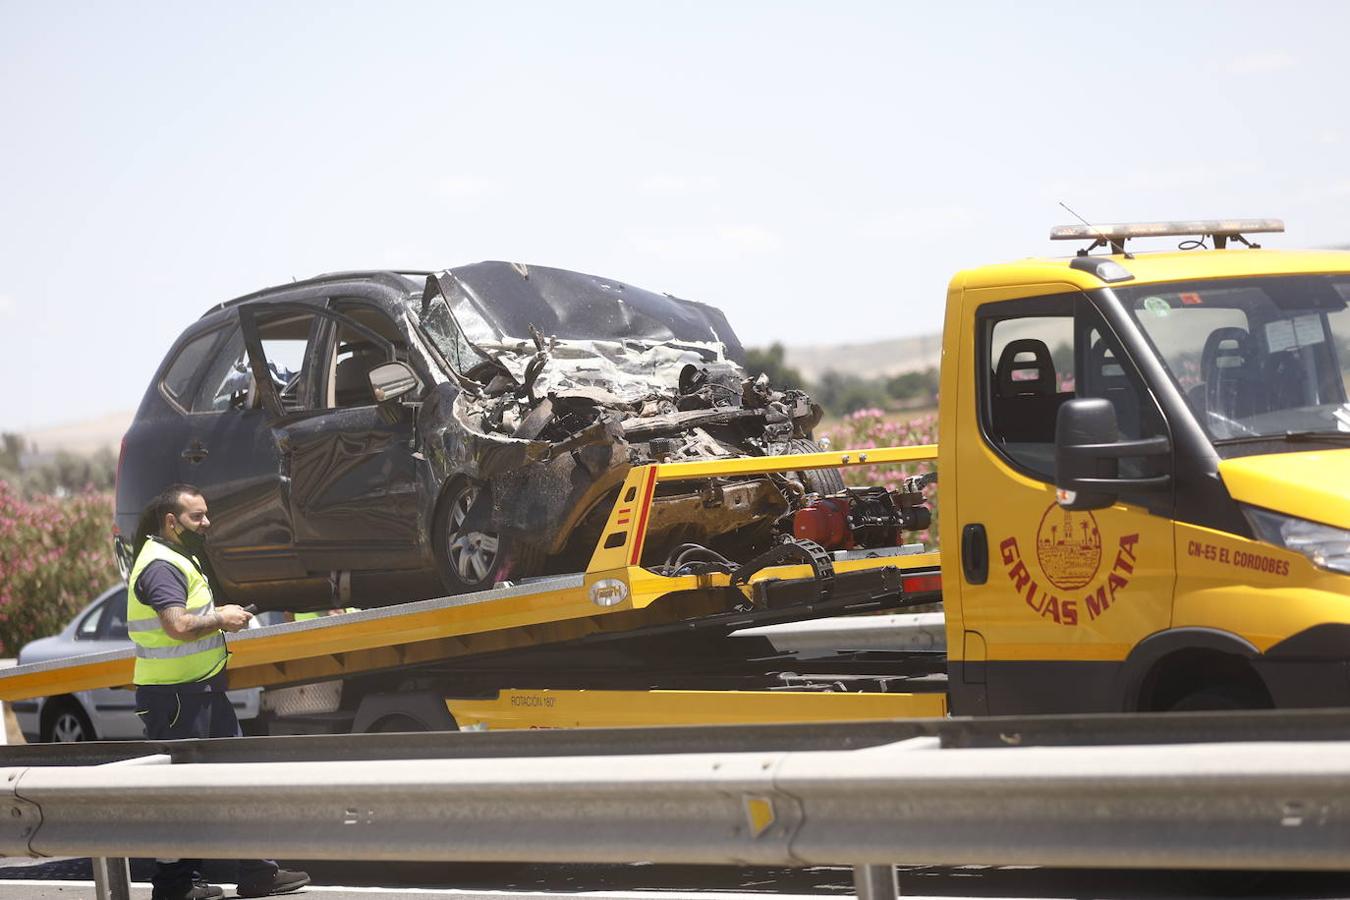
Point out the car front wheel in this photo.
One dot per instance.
(474, 560)
(68, 724)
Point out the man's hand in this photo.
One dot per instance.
(180, 625)
(233, 618)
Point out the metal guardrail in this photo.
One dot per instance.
(1251, 805)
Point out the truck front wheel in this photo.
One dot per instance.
(1221, 697)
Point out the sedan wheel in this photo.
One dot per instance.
(69, 726)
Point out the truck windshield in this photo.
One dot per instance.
(1254, 357)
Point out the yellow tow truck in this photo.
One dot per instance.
(1145, 498)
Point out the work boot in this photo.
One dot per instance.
(202, 890)
(283, 882)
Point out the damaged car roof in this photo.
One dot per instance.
(515, 299)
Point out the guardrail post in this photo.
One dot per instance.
(112, 876)
(876, 883)
(112, 879)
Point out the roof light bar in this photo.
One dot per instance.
(1116, 234)
(1227, 227)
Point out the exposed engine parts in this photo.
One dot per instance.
(864, 517)
(667, 406)
(564, 382)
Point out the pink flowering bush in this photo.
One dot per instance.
(55, 557)
(876, 428)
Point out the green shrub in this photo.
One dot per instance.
(55, 557)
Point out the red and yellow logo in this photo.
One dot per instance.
(1068, 547)
(1069, 555)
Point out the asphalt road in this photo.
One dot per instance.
(71, 880)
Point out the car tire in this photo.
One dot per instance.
(66, 723)
(474, 560)
(816, 481)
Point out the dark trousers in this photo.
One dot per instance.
(169, 715)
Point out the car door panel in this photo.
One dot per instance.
(351, 482)
(251, 537)
(355, 493)
(231, 455)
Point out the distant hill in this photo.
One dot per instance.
(872, 359)
(83, 438)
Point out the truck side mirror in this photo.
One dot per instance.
(392, 380)
(1088, 451)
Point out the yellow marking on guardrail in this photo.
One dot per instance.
(759, 813)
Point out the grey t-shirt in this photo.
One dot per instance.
(161, 585)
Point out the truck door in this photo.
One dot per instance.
(1065, 595)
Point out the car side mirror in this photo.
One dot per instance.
(1088, 451)
(393, 381)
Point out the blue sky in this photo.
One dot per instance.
(818, 170)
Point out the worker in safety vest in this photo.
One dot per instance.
(180, 666)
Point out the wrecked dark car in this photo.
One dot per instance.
(375, 437)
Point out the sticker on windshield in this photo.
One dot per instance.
(1308, 330)
(1280, 336)
(1158, 306)
(1189, 298)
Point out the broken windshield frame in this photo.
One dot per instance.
(1255, 358)
(442, 327)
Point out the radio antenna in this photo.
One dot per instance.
(1116, 246)
(1076, 215)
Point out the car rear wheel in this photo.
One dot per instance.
(474, 560)
(67, 724)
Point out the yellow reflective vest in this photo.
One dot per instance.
(161, 659)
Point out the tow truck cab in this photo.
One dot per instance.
(1151, 497)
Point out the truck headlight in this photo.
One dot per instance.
(1326, 546)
